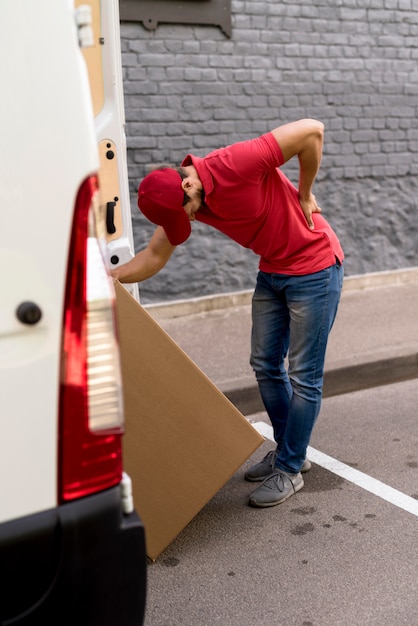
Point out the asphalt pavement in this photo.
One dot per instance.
(344, 550)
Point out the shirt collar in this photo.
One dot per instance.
(202, 170)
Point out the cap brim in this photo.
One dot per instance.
(177, 227)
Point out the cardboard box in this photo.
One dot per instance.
(184, 439)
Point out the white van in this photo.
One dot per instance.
(72, 547)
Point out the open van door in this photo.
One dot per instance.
(104, 64)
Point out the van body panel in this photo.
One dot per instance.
(46, 126)
(82, 562)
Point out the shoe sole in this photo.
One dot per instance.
(306, 466)
(259, 479)
(265, 505)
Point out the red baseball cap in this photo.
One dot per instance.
(160, 199)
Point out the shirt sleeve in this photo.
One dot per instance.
(253, 158)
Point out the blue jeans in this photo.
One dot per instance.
(293, 316)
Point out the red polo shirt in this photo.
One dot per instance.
(251, 201)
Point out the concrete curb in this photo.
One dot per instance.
(246, 397)
(178, 308)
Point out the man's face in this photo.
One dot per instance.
(193, 188)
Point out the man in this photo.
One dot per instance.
(241, 191)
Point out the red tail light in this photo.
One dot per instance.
(90, 394)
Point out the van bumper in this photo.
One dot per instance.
(81, 563)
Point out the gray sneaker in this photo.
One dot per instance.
(265, 468)
(276, 489)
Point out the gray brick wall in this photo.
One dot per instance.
(350, 63)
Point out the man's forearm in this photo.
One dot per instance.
(136, 270)
(309, 161)
(147, 262)
(303, 139)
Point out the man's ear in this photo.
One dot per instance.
(186, 184)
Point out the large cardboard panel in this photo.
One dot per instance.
(184, 439)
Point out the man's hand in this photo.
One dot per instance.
(147, 262)
(303, 139)
(309, 206)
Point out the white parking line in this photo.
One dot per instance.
(354, 476)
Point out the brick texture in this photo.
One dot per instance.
(350, 63)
